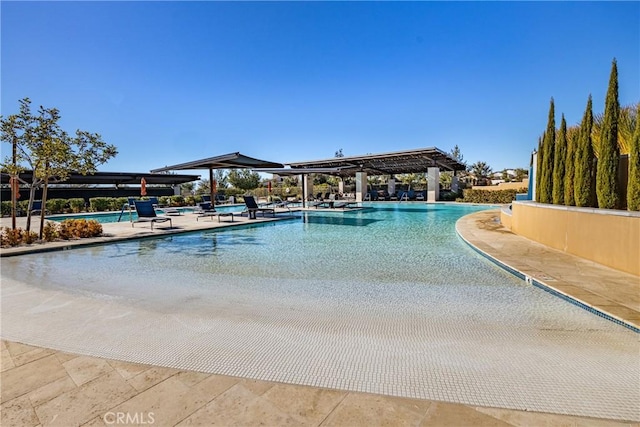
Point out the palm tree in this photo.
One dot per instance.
(627, 119)
(481, 170)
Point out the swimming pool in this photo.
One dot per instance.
(113, 216)
(384, 300)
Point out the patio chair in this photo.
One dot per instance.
(36, 208)
(206, 209)
(146, 213)
(253, 208)
(154, 201)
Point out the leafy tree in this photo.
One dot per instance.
(222, 178)
(520, 174)
(410, 179)
(457, 155)
(609, 153)
(559, 159)
(244, 179)
(633, 189)
(204, 187)
(583, 161)
(43, 147)
(481, 170)
(548, 148)
(573, 133)
(187, 188)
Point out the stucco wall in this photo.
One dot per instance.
(503, 186)
(608, 237)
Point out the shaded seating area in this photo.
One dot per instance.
(147, 213)
(206, 209)
(253, 208)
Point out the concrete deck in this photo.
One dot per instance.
(46, 387)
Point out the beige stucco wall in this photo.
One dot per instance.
(608, 237)
(503, 186)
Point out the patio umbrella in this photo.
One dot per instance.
(269, 186)
(214, 187)
(143, 187)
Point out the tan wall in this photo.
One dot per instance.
(503, 186)
(608, 237)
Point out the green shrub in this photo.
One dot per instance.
(116, 203)
(79, 228)
(56, 206)
(10, 237)
(50, 231)
(6, 208)
(76, 205)
(488, 196)
(189, 201)
(449, 196)
(176, 201)
(99, 204)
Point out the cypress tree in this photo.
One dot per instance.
(569, 171)
(583, 161)
(559, 159)
(539, 167)
(548, 143)
(609, 152)
(633, 188)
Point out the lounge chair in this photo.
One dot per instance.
(167, 210)
(154, 201)
(146, 213)
(420, 195)
(345, 204)
(253, 208)
(206, 209)
(36, 208)
(328, 202)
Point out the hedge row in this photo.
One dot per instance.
(54, 206)
(488, 196)
(96, 204)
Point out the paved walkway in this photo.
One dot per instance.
(45, 387)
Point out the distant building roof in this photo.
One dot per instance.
(116, 178)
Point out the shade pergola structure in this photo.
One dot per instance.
(430, 160)
(113, 178)
(225, 161)
(396, 162)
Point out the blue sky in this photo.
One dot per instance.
(170, 82)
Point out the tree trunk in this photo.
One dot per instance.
(44, 210)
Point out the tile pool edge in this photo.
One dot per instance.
(548, 288)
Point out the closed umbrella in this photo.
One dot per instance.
(15, 187)
(143, 187)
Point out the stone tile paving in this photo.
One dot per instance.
(43, 392)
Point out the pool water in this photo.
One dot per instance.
(383, 300)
